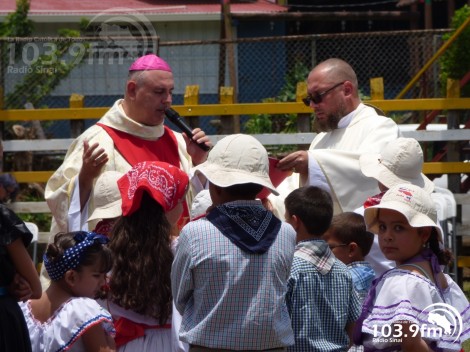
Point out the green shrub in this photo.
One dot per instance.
(455, 62)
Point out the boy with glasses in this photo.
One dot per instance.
(350, 242)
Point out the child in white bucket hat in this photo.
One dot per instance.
(234, 263)
(416, 301)
(401, 161)
(107, 201)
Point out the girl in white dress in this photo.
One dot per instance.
(66, 317)
(139, 297)
(414, 306)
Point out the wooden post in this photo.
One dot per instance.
(191, 97)
(450, 11)
(230, 54)
(303, 120)
(76, 126)
(453, 152)
(226, 96)
(2, 127)
(427, 14)
(453, 180)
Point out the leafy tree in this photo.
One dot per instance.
(455, 62)
(17, 23)
(46, 73)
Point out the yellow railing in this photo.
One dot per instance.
(226, 108)
(236, 109)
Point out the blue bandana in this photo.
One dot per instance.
(249, 226)
(73, 255)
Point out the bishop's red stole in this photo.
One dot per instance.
(136, 150)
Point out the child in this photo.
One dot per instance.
(231, 267)
(15, 260)
(408, 307)
(139, 297)
(107, 202)
(321, 298)
(400, 161)
(66, 317)
(201, 203)
(9, 188)
(350, 242)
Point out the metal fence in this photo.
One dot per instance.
(259, 68)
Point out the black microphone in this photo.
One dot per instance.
(175, 118)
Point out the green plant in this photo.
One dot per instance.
(455, 62)
(282, 123)
(46, 73)
(17, 23)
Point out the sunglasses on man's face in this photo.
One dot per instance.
(317, 98)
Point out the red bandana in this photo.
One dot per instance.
(167, 184)
(374, 200)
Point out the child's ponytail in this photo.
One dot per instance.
(444, 255)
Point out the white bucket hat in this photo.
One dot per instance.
(106, 196)
(237, 159)
(411, 201)
(400, 161)
(201, 202)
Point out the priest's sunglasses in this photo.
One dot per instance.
(317, 98)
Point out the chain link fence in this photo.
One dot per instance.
(46, 71)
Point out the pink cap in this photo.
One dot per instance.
(150, 62)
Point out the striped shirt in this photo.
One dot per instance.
(229, 298)
(321, 299)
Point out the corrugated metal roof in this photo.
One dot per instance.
(93, 7)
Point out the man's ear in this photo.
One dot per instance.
(348, 88)
(131, 88)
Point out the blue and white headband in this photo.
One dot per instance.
(72, 256)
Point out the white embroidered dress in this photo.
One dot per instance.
(63, 331)
(403, 295)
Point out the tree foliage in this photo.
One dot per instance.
(46, 73)
(455, 62)
(17, 23)
(285, 123)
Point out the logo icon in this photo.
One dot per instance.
(443, 317)
(124, 32)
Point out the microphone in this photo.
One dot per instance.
(175, 118)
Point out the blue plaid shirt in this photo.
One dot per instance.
(362, 275)
(321, 299)
(229, 298)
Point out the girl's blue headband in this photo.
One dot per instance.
(73, 255)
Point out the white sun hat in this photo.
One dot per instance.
(201, 202)
(106, 196)
(413, 202)
(237, 159)
(400, 161)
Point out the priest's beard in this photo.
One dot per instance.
(331, 122)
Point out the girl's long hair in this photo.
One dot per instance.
(140, 278)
